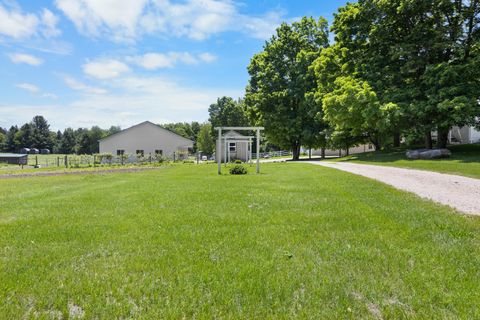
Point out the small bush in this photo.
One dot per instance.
(188, 161)
(238, 161)
(238, 169)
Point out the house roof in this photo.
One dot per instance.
(232, 133)
(143, 123)
(12, 155)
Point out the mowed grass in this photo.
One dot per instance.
(297, 241)
(465, 160)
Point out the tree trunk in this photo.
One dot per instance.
(442, 140)
(296, 151)
(396, 139)
(310, 154)
(376, 143)
(347, 151)
(428, 140)
(323, 153)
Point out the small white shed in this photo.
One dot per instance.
(234, 146)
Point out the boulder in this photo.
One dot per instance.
(428, 154)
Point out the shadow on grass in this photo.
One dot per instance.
(460, 153)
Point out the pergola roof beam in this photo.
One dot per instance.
(240, 128)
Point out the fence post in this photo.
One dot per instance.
(94, 158)
(36, 161)
(66, 161)
(174, 156)
(150, 158)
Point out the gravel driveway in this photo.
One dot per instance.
(459, 192)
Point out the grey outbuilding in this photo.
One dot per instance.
(14, 158)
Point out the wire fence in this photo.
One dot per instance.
(272, 154)
(73, 161)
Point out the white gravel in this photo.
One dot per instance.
(458, 192)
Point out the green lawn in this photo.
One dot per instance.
(465, 160)
(298, 241)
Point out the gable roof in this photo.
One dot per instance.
(13, 155)
(233, 133)
(149, 123)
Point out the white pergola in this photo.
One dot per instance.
(243, 139)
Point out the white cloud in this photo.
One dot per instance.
(49, 95)
(153, 61)
(208, 57)
(92, 17)
(130, 99)
(28, 87)
(127, 20)
(149, 98)
(18, 25)
(50, 22)
(35, 89)
(25, 58)
(105, 68)
(72, 83)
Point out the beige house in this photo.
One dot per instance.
(234, 146)
(464, 135)
(146, 138)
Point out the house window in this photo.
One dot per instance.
(159, 152)
(232, 146)
(120, 152)
(140, 153)
(370, 146)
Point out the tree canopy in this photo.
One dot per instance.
(280, 93)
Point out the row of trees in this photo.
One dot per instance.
(37, 134)
(397, 68)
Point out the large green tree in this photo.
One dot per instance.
(41, 136)
(3, 141)
(280, 92)
(67, 143)
(10, 143)
(420, 55)
(186, 130)
(227, 112)
(24, 137)
(205, 141)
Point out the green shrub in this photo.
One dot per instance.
(188, 161)
(238, 161)
(238, 169)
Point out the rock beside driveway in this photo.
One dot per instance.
(428, 154)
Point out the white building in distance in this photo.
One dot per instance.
(145, 139)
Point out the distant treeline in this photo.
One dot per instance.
(37, 134)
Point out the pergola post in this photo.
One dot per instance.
(225, 151)
(219, 152)
(250, 150)
(258, 150)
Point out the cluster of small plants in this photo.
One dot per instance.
(238, 161)
(238, 169)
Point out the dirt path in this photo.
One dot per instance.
(73, 172)
(459, 192)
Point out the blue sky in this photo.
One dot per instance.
(119, 62)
